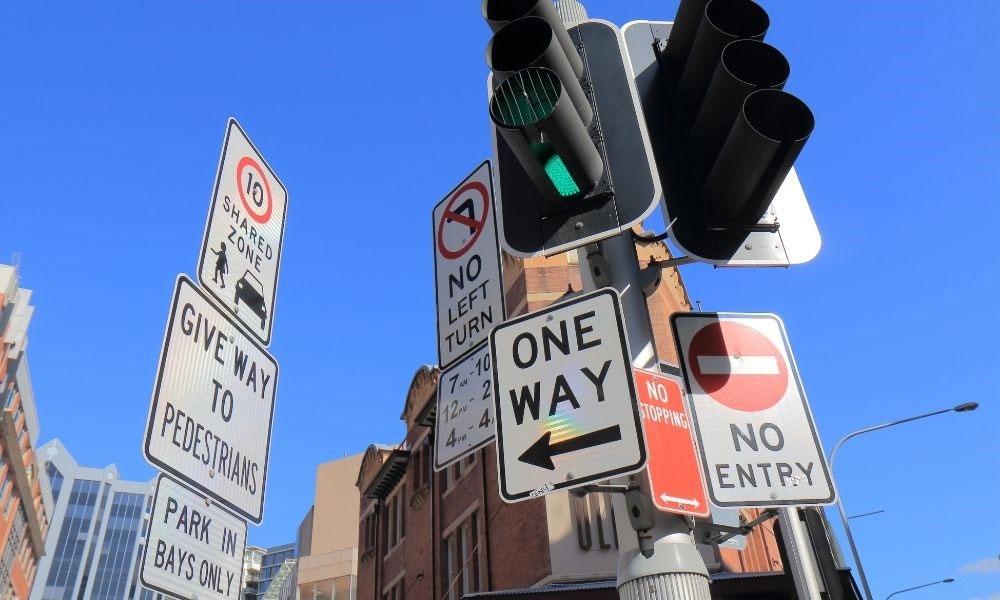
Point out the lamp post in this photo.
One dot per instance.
(964, 407)
(949, 580)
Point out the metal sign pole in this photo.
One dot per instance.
(660, 560)
(803, 567)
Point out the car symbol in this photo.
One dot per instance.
(250, 290)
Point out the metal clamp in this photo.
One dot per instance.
(726, 532)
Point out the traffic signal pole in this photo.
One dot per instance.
(658, 557)
(803, 563)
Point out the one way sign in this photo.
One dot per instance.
(566, 404)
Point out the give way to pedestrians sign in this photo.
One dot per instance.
(758, 442)
(212, 409)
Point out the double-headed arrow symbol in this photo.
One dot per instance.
(682, 501)
(541, 452)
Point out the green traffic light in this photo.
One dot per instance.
(523, 100)
(560, 177)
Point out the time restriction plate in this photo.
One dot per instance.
(464, 408)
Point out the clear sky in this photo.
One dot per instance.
(111, 122)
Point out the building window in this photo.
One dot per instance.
(451, 475)
(71, 544)
(8, 397)
(423, 467)
(397, 591)
(8, 489)
(395, 518)
(55, 479)
(460, 562)
(369, 533)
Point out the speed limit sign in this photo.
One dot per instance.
(241, 250)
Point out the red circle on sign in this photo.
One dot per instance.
(245, 162)
(450, 215)
(738, 366)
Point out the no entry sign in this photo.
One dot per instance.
(467, 270)
(759, 446)
(675, 478)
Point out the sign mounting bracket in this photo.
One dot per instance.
(725, 532)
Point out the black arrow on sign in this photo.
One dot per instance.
(541, 452)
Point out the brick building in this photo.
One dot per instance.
(25, 499)
(428, 535)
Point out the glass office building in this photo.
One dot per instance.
(270, 564)
(98, 528)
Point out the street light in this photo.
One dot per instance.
(949, 580)
(964, 407)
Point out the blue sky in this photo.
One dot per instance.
(112, 122)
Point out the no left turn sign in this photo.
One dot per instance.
(467, 267)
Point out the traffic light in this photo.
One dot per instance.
(725, 134)
(571, 154)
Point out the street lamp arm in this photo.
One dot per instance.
(949, 580)
(833, 454)
(964, 407)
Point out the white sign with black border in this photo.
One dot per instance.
(241, 249)
(464, 421)
(194, 548)
(212, 408)
(758, 441)
(467, 267)
(566, 405)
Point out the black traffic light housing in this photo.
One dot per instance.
(725, 134)
(571, 153)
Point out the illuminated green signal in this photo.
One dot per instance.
(560, 177)
(526, 98)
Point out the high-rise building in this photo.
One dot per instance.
(252, 557)
(25, 498)
(328, 535)
(98, 530)
(273, 570)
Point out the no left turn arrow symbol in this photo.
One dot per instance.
(464, 214)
